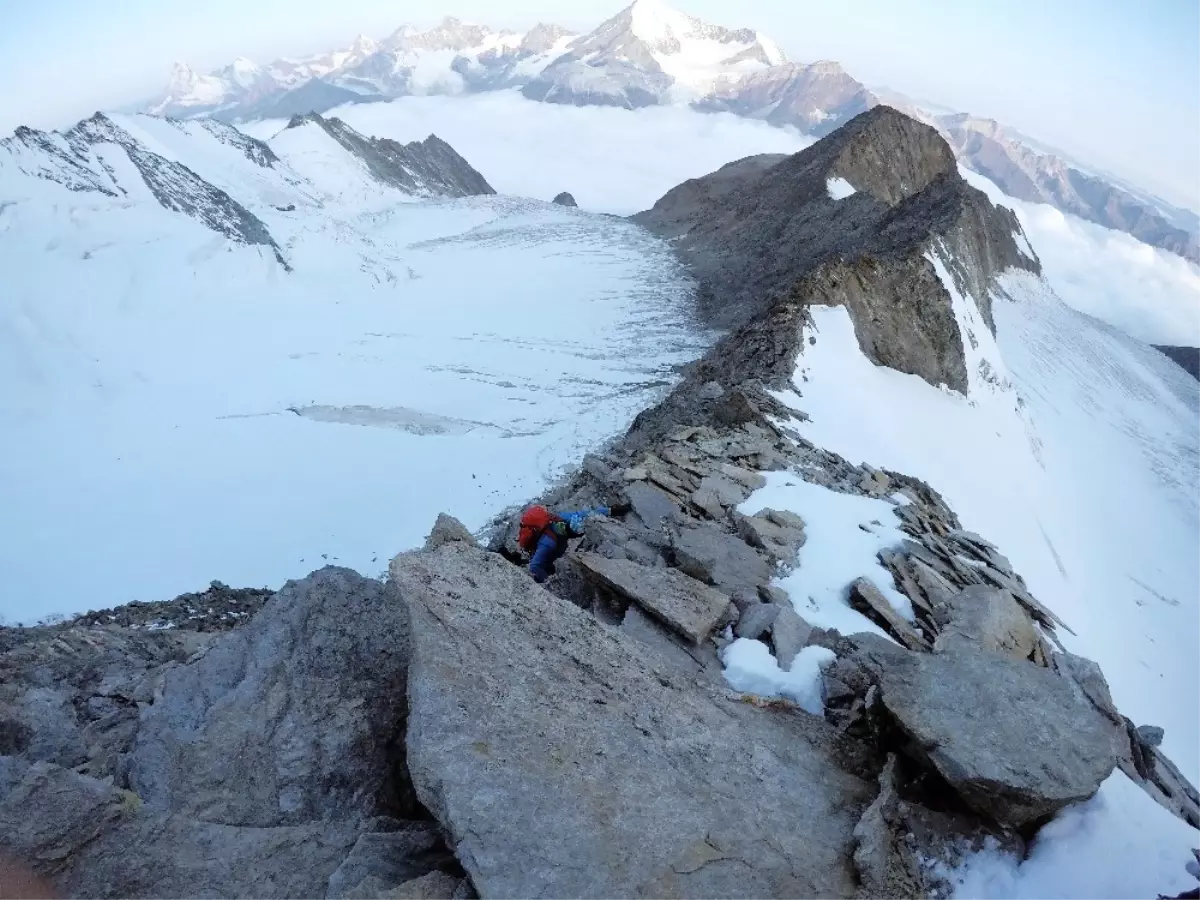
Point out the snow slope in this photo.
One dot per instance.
(1076, 453)
(178, 408)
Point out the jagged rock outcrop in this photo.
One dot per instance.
(561, 763)
(298, 707)
(71, 695)
(217, 608)
(175, 186)
(429, 168)
(565, 199)
(265, 761)
(766, 239)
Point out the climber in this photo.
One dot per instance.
(544, 534)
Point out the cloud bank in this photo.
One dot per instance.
(620, 161)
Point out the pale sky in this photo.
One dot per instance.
(1116, 84)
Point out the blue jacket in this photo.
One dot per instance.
(553, 542)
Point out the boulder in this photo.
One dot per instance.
(565, 199)
(789, 634)
(778, 534)
(990, 619)
(300, 709)
(96, 840)
(718, 558)
(560, 763)
(756, 620)
(683, 604)
(652, 505)
(1014, 740)
(727, 491)
(1151, 735)
(446, 529)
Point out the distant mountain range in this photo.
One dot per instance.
(647, 55)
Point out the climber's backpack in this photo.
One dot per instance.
(534, 522)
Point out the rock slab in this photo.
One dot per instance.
(683, 604)
(561, 764)
(1013, 739)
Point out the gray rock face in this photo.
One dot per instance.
(562, 764)
(95, 840)
(299, 708)
(429, 168)
(683, 604)
(1187, 358)
(565, 199)
(1011, 738)
(71, 695)
(389, 858)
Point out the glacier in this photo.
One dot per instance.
(178, 408)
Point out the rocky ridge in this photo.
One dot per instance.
(74, 159)
(458, 729)
(766, 238)
(80, 160)
(428, 168)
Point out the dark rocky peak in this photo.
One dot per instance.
(258, 152)
(70, 159)
(565, 199)
(428, 168)
(884, 153)
(175, 186)
(766, 237)
(48, 156)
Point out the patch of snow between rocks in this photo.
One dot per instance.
(750, 667)
(837, 551)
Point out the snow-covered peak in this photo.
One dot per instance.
(183, 77)
(242, 72)
(679, 56)
(659, 26)
(363, 46)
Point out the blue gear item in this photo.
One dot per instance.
(553, 542)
